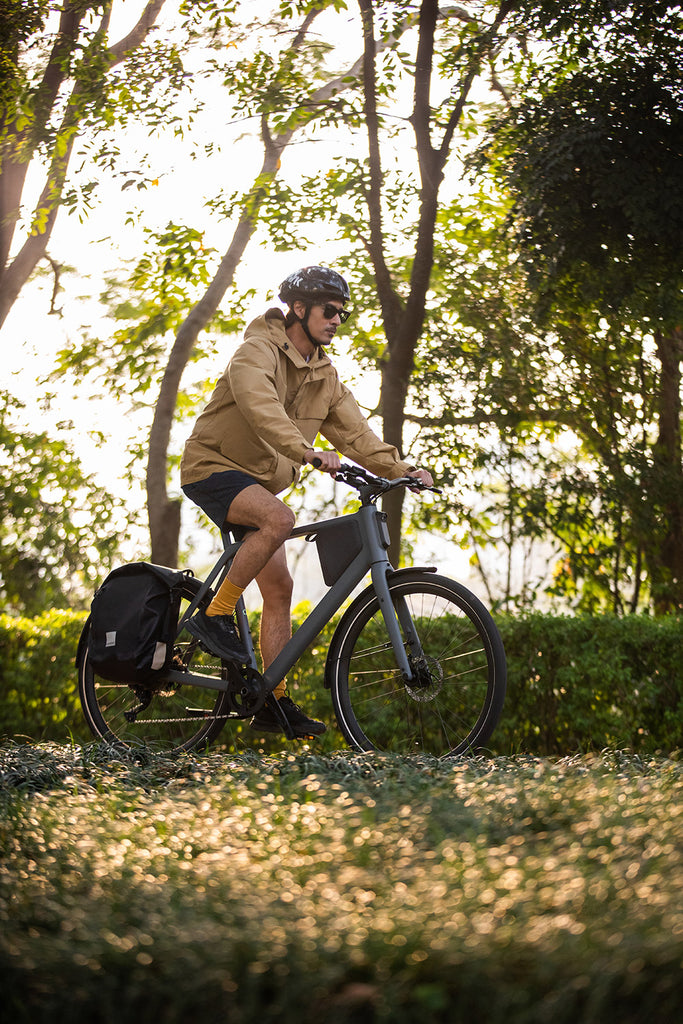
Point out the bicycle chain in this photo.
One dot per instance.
(167, 721)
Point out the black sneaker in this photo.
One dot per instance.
(219, 634)
(265, 720)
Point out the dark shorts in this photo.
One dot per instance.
(216, 494)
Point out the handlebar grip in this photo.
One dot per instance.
(316, 462)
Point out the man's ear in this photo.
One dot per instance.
(299, 308)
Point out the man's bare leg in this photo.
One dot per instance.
(262, 557)
(272, 523)
(275, 584)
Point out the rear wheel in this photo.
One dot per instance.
(455, 698)
(172, 717)
(168, 716)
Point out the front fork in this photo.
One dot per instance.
(399, 623)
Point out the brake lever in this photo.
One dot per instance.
(416, 485)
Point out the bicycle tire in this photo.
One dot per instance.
(454, 707)
(178, 717)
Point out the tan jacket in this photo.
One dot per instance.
(267, 409)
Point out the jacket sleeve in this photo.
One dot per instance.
(252, 372)
(347, 429)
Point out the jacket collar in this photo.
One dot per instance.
(271, 327)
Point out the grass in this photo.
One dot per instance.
(339, 888)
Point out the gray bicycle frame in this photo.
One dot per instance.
(371, 557)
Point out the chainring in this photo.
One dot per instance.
(247, 690)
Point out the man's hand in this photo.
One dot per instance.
(326, 462)
(423, 476)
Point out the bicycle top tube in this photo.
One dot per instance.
(369, 488)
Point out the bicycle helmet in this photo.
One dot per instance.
(314, 284)
(311, 285)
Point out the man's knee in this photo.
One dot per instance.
(281, 520)
(257, 508)
(276, 520)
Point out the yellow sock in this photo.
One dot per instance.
(225, 600)
(279, 690)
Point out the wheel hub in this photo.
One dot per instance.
(427, 681)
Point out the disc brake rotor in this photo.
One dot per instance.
(428, 681)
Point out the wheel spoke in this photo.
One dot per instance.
(458, 685)
(176, 717)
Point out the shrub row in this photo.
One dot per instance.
(592, 682)
(574, 684)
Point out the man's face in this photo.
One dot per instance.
(321, 324)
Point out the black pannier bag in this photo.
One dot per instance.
(133, 620)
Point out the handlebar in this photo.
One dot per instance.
(370, 486)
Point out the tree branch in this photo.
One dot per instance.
(390, 303)
(20, 145)
(146, 22)
(484, 42)
(563, 417)
(55, 70)
(14, 172)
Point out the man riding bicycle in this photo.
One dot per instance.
(279, 391)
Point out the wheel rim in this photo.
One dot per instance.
(443, 715)
(171, 717)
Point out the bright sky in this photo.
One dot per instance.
(103, 241)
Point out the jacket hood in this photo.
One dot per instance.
(271, 328)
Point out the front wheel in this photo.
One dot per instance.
(452, 703)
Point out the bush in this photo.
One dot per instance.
(584, 683)
(38, 679)
(592, 682)
(39, 684)
(354, 889)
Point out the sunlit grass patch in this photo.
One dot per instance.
(307, 887)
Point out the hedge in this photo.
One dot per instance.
(592, 682)
(574, 684)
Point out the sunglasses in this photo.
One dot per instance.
(330, 311)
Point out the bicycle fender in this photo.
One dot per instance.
(410, 568)
(392, 574)
(82, 643)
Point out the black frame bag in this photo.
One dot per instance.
(133, 621)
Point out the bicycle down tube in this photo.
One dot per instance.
(372, 557)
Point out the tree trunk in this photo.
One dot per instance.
(164, 513)
(666, 556)
(403, 324)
